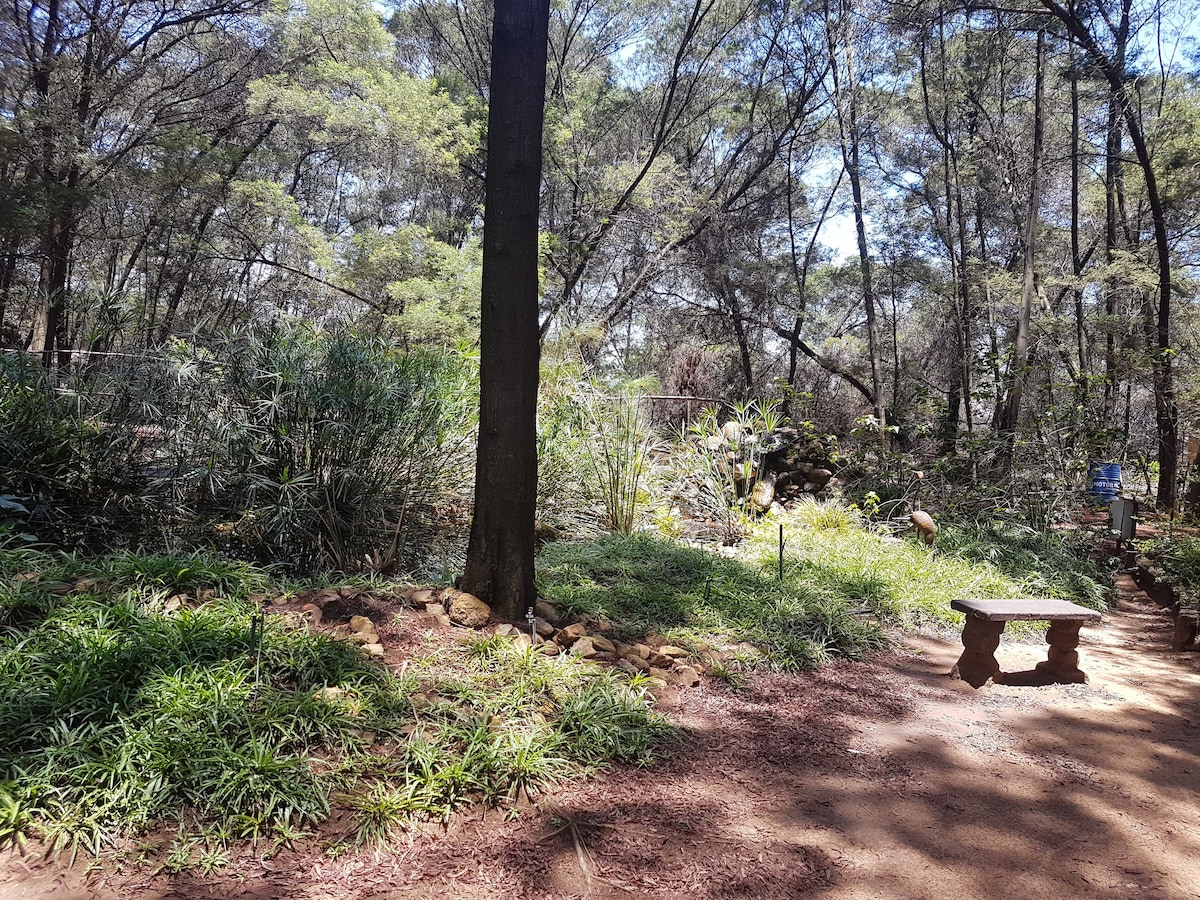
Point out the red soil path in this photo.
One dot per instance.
(883, 779)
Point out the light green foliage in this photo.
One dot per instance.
(294, 444)
(438, 288)
(567, 499)
(648, 584)
(319, 445)
(713, 469)
(834, 569)
(341, 90)
(117, 717)
(618, 452)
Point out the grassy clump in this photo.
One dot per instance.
(903, 582)
(834, 566)
(1178, 558)
(117, 716)
(648, 584)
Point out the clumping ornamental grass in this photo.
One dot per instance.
(835, 570)
(118, 717)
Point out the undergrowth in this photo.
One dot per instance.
(118, 716)
(835, 569)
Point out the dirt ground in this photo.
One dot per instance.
(883, 779)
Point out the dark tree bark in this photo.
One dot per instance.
(500, 554)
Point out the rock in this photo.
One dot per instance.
(506, 630)
(364, 637)
(547, 611)
(374, 649)
(583, 647)
(604, 626)
(176, 603)
(820, 477)
(627, 667)
(639, 664)
(468, 610)
(659, 673)
(713, 658)
(549, 648)
(312, 613)
(422, 597)
(361, 624)
(656, 684)
(329, 694)
(673, 652)
(687, 676)
(640, 651)
(571, 634)
(603, 644)
(327, 596)
(763, 493)
(543, 627)
(1186, 626)
(435, 609)
(521, 639)
(731, 431)
(346, 593)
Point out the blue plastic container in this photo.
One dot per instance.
(1106, 480)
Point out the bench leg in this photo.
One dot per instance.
(978, 662)
(1062, 662)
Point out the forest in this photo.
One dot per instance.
(963, 233)
(806, 274)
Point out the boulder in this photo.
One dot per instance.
(603, 644)
(468, 610)
(583, 647)
(547, 611)
(570, 634)
(360, 624)
(820, 477)
(639, 651)
(422, 597)
(673, 652)
(686, 676)
(763, 493)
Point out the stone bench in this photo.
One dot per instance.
(985, 623)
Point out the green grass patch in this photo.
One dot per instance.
(834, 569)
(647, 584)
(117, 716)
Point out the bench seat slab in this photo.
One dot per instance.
(985, 623)
(1025, 610)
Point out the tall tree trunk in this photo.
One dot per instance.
(500, 554)
(1020, 361)
(846, 107)
(1081, 338)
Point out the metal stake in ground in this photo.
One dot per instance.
(781, 552)
(257, 623)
